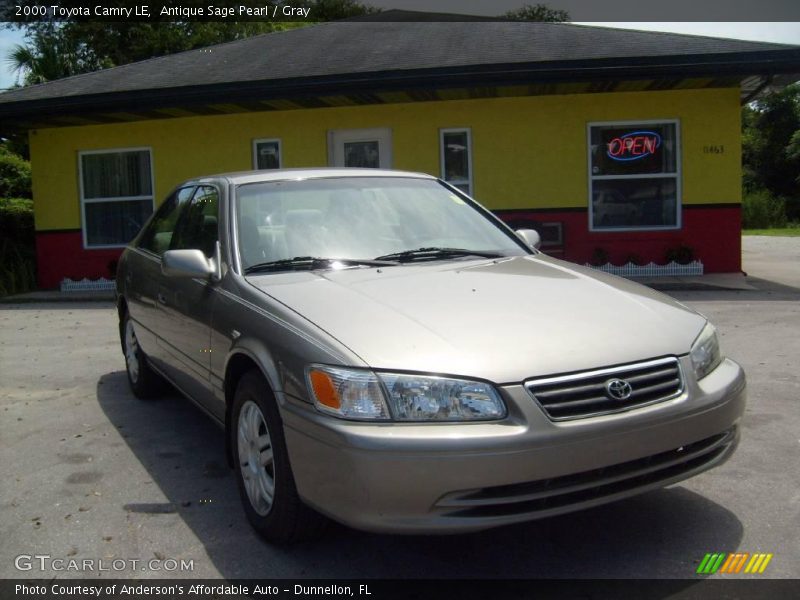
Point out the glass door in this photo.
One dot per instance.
(362, 148)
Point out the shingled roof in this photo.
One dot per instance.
(360, 56)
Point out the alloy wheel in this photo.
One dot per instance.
(131, 352)
(256, 459)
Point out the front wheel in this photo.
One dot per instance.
(263, 473)
(145, 383)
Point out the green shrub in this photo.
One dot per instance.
(762, 210)
(633, 259)
(15, 175)
(16, 219)
(599, 257)
(17, 269)
(682, 254)
(17, 246)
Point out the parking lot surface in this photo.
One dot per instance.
(90, 472)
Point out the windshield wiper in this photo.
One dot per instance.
(433, 253)
(308, 263)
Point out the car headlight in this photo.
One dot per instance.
(347, 393)
(705, 352)
(365, 395)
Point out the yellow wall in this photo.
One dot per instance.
(528, 152)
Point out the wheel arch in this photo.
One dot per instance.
(239, 362)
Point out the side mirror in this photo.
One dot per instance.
(186, 263)
(531, 237)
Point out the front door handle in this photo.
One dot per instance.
(162, 299)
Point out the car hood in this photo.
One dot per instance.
(502, 320)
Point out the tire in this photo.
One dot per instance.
(263, 472)
(145, 383)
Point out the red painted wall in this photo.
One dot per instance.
(713, 232)
(61, 254)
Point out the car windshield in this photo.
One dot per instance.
(393, 219)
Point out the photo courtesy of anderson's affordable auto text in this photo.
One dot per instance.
(387, 299)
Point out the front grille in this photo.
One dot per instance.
(588, 394)
(562, 494)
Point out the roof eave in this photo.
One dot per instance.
(762, 63)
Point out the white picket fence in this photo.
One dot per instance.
(671, 269)
(87, 285)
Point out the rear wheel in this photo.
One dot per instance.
(263, 473)
(144, 382)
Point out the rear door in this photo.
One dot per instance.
(185, 304)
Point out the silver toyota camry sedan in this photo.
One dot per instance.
(382, 351)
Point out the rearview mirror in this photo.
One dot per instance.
(186, 263)
(531, 237)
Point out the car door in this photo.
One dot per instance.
(143, 277)
(185, 304)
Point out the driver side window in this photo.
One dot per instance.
(197, 227)
(158, 236)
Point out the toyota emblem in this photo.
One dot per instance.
(618, 389)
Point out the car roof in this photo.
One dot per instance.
(264, 175)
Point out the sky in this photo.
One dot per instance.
(787, 33)
(8, 39)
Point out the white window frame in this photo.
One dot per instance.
(457, 182)
(84, 201)
(677, 175)
(258, 141)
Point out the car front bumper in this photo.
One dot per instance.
(445, 478)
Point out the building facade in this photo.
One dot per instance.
(633, 168)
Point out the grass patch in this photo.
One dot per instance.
(777, 231)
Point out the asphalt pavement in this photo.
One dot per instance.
(89, 472)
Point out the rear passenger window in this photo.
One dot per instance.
(198, 225)
(158, 236)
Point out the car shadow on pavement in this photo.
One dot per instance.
(661, 534)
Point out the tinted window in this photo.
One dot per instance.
(158, 236)
(197, 226)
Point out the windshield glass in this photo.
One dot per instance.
(359, 218)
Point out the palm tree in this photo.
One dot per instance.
(45, 60)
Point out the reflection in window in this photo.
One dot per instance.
(158, 236)
(197, 226)
(267, 154)
(634, 176)
(114, 223)
(362, 154)
(359, 217)
(456, 158)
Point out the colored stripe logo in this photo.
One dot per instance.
(733, 563)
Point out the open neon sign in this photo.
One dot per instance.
(633, 146)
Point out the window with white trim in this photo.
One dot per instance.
(116, 188)
(267, 154)
(634, 175)
(455, 148)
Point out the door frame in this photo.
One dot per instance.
(383, 135)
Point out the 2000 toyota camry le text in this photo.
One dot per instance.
(383, 351)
